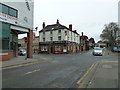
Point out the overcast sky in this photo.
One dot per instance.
(88, 16)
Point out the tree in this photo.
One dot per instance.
(110, 33)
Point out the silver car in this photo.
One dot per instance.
(22, 52)
(97, 51)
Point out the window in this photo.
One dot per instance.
(4, 9)
(4, 35)
(43, 32)
(12, 12)
(59, 37)
(51, 38)
(43, 39)
(65, 32)
(5, 31)
(5, 44)
(58, 48)
(50, 32)
(59, 31)
(0, 7)
(44, 48)
(8, 10)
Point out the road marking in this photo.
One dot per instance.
(32, 72)
(80, 82)
(18, 65)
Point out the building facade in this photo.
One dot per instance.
(84, 42)
(58, 38)
(15, 18)
(118, 36)
(35, 45)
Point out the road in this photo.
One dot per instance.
(57, 71)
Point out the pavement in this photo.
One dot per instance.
(19, 61)
(102, 74)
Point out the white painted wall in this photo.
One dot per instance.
(63, 36)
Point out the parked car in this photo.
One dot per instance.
(116, 49)
(22, 52)
(97, 51)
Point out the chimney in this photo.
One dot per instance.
(82, 33)
(70, 27)
(57, 21)
(43, 25)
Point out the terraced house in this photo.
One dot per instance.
(57, 38)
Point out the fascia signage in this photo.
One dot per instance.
(8, 19)
(13, 20)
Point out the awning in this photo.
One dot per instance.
(20, 29)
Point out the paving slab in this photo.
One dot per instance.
(104, 74)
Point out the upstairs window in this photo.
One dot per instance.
(8, 10)
(59, 38)
(43, 39)
(5, 9)
(51, 32)
(51, 38)
(0, 7)
(65, 32)
(43, 32)
(59, 31)
(12, 12)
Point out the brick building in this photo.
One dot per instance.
(35, 44)
(57, 38)
(84, 42)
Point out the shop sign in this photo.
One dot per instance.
(3, 53)
(8, 19)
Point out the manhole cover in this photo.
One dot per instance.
(107, 66)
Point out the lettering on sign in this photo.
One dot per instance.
(7, 18)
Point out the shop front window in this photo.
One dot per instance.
(65, 48)
(57, 48)
(4, 35)
(44, 48)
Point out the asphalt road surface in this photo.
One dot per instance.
(57, 71)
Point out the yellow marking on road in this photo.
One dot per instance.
(32, 72)
(45, 58)
(19, 65)
(80, 82)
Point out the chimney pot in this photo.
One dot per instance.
(70, 27)
(57, 21)
(82, 33)
(43, 25)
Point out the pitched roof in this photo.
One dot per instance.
(54, 27)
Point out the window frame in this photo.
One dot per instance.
(8, 13)
(59, 38)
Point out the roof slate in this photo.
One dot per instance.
(54, 27)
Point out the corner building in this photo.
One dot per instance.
(58, 39)
(16, 17)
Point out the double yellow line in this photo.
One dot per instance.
(18, 65)
(81, 81)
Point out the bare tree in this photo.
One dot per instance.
(110, 33)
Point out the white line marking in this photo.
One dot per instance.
(32, 72)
